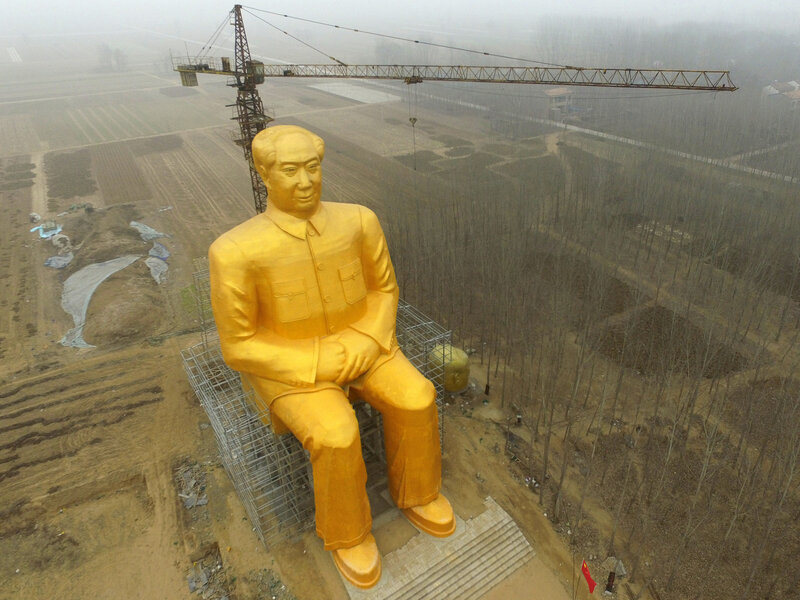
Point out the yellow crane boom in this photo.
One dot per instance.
(245, 74)
(674, 79)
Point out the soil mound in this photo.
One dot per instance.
(102, 234)
(127, 307)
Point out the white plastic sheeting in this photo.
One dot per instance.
(78, 290)
(146, 232)
(158, 268)
(159, 251)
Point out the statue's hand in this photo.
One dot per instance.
(331, 360)
(361, 352)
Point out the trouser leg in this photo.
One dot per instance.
(326, 425)
(407, 402)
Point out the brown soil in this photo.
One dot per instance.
(459, 151)
(655, 341)
(91, 438)
(69, 175)
(760, 408)
(544, 173)
(101, 234)
(178, 91)
(126, 308)
(421, 161)
(593, 295)
(160, 143)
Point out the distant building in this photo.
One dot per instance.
(559, 103)
(778, 88)
(794, 99)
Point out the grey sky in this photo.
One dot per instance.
(52, 16)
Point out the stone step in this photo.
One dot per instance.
(506, 559)
(458, 570)
(482, 570)
(476, 537)
(482, 553)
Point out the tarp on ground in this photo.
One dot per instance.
(158, 268)
(78, 290)
(47, 230)
(159, 250)
(146, 232)
(60, 261)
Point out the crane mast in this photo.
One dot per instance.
(247, 74)
(249, 107)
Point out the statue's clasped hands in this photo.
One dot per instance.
(345, 356)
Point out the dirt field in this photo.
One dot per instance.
(91, 438)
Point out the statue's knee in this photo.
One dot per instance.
(419, 396)
(339, 431)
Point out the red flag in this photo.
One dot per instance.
(592, 583)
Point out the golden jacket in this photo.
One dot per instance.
(280, 283)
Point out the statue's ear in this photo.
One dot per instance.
(263, 172)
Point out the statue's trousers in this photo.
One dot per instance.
(324, 421)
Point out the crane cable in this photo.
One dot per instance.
(403, 39)
(213, 38)
(325, 54)
(412, 118)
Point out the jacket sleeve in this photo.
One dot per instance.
(247, 346)
(382, 292)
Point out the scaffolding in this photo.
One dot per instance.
(201, 291)
(270, 472)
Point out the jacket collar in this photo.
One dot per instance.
(295, 226)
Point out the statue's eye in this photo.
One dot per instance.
(289, 170)
(313, 167)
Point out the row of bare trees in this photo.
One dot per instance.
(642, 315)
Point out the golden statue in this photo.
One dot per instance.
(305, 301)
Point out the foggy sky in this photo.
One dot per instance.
(70, 16)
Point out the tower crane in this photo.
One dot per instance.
(247, 73)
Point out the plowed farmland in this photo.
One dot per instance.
(602, 364)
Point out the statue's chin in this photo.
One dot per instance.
(305, 207)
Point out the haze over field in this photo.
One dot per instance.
(86, 15)
(622, 265)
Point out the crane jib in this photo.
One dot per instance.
(683, 79)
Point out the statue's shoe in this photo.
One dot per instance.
(361, 564)
(435, 518)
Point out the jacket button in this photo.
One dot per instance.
(320, 267)
(327, 298)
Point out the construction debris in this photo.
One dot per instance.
(62, 242)
(207, 578)
(192, 485)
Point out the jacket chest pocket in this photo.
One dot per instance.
(352, 279)
(291, 300)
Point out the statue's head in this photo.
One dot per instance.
(289, 160)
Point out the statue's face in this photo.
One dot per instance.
(294, 181)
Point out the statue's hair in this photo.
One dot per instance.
(264, 145)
